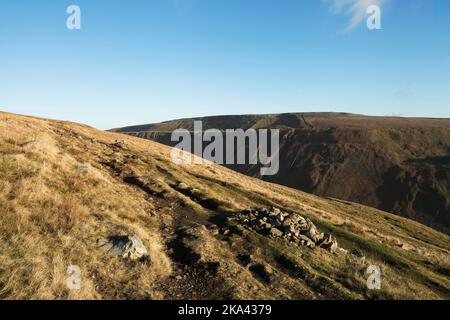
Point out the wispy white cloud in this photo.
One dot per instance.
(355, 9)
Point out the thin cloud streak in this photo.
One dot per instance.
(356, 9)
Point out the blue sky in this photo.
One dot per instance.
(147, 61)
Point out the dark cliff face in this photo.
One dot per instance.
(400, 165)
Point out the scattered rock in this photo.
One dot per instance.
(305, 241)
(406, 247)
(130, 247)
(183, 186)
(276, 232)
(292, 227)
(275, 211)
(267, 226)
(214, 230)
(331, 246)
(119, 143)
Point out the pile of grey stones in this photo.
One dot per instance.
(292, 227)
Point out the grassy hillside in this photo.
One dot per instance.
(63, 186)
(399, 165)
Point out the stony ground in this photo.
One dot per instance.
(67, 189)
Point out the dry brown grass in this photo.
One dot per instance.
(62, 187)
(59, 214)
(353, 227)
(53, 208)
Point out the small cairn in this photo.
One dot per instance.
(291, 227)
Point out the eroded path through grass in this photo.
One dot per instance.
(65, 185)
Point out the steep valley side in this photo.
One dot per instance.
(65, 188)
(399, 165)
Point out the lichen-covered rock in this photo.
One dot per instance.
(275, 211)
(130, 247)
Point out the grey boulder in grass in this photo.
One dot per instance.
(130, 247)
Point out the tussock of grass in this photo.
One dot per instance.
(59, 214)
